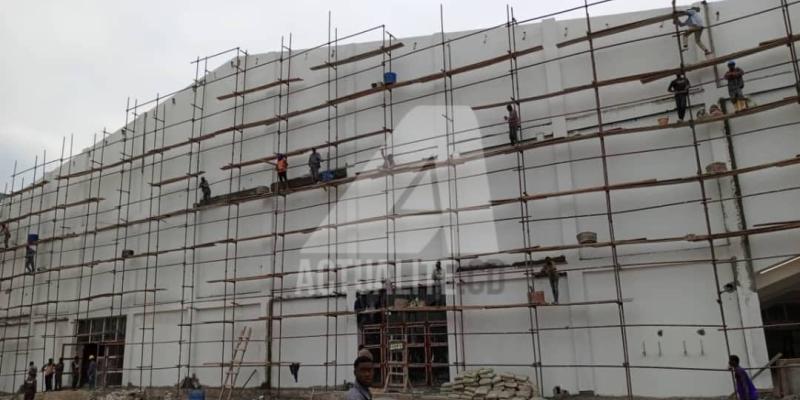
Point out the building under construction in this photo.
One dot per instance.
(674, 241)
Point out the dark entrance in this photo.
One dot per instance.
(425, 333)
(103, 338)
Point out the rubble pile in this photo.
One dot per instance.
(485, 384)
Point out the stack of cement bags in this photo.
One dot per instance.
(485, 384)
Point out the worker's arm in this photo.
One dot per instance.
(671, 87)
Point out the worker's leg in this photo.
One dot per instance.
(512, 134)
(29, 264)
(685, 38)
(315, 174)
(680, 104)
(554, 288)
(697, 39)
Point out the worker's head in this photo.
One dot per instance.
(696, 8)
(61, 360)
(509, 108)
(313, 149)
(50, 361)
(438, 265)
(548, 260)
(731, 64)
(362, 369)
(91, 357)
(31, 363)
(280, 156)
(733, 361)
(202, 179)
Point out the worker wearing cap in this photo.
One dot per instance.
(91, 373)
(735, 77)
(694, 24)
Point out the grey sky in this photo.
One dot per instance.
(68, 66)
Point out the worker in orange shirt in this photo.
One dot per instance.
(282, 166)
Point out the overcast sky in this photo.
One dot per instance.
(67, 67)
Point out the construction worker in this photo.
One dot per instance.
(362, 369)
(282, 165)
(49, 371)
(30, 383)
(6, 234)
(695, 26)
(30, 256)
(680, 87)
(32, 371)
(91, 373)
(75, 370)
(735, 77)
(59, 374)
(438, 276)
(513, 124)
(314, 163)
(388, 159)
(206, 189)
(549, 269)
(744, 385)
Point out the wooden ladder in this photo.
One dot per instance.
(236, 362)
(397, 364)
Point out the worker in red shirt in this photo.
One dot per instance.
(282, 166)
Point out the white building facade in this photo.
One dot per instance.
(176, 306)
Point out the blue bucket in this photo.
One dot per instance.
(389, 78)
(197, 394)
(33, 237)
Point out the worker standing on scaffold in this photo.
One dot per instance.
(513, 124)
(735, 78)
(680, 87)
(695, 26)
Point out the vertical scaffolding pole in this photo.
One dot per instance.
(609, 214)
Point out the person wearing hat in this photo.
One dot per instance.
(735, 78)
(695, 26)
(91, 373)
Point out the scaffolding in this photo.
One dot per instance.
(145, 158)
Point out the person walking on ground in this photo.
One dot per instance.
(314, 163)
(362, 369)
(513, 124)
(282, 165)
(695, 26)
(75, 370)
(32, 371)
(91, 373)
(735, 77)
(206, 189)
(29, 385)
(6, 234)
(744, 385)
(49, 371)
(549, 269)
(30, 257)
(59, 374)
(680, 87)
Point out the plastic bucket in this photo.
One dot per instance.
(389, 78)
(197, 394)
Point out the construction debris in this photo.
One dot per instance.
(486, 384)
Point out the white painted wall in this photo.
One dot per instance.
(683, 293)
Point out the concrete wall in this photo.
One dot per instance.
(671, 294)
